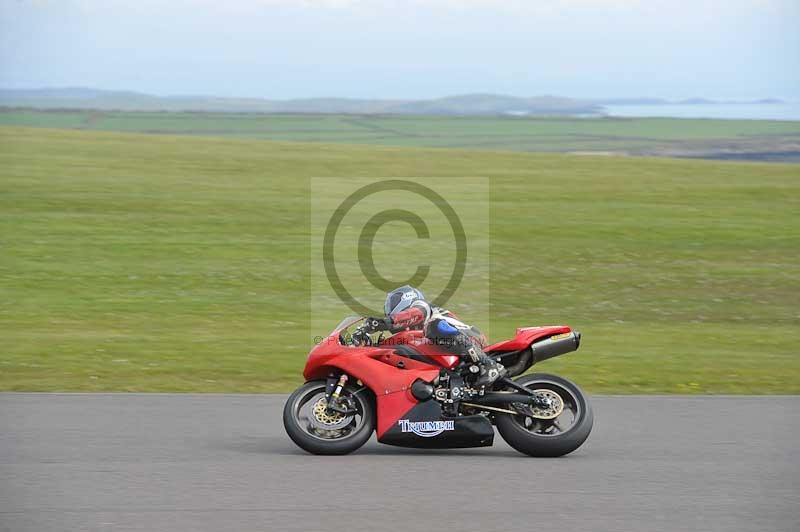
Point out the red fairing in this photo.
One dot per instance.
(417, 341)
(378, 368)
(375, 366)
(393, 407)
(526, 336)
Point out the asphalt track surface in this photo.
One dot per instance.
(116, 462)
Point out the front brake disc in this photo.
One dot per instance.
(323, 419)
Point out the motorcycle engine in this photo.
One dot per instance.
(451, 390)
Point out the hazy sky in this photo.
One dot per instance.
(406, 48)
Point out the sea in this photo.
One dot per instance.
(747, 111)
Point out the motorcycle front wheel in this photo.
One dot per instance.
(548, 431)
(319, 431)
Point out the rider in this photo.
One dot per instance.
(406, 308)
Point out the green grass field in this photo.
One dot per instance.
(174, 263)
(637, 136)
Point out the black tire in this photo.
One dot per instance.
(365, 404)
(512, 428)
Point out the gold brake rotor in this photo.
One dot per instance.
(554, 409)
(325, 417)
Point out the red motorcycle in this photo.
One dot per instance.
(417, 394)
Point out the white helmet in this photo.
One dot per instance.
(400, 299)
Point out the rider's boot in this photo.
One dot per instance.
(490, 369)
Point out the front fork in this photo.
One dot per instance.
(333, 395)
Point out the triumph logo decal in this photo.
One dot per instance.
(426, 429)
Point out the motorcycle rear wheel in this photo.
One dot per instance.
(318, 431)
(563, 433)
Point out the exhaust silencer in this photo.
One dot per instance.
(555, 345)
